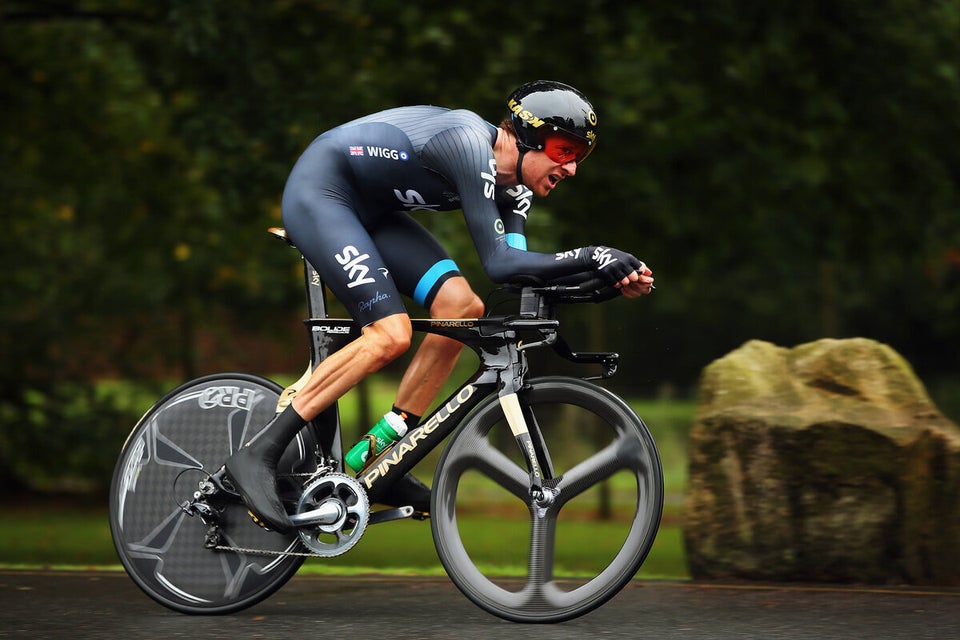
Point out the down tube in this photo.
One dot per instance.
(417, 443)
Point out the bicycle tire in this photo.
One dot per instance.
(482, 460)
(183, 437)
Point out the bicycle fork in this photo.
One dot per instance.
(542, 483)
(526, 431)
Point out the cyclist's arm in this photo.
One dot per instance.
(515, 203)
(465, 157)
(610, 265)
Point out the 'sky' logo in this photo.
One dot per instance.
(352, 261)
(413, 201)
(490, 179)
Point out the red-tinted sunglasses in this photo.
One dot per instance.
(562, 148)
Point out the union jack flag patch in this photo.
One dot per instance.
(356, 151)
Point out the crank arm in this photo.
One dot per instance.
(389, 515)
(326, 514)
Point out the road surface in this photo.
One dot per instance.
(77, 605)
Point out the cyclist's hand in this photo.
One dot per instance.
(615, 266)
(642, 286)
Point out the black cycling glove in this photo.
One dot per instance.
(614, 265)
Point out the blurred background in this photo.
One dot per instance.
(790, 171)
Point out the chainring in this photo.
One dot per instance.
(344, 492)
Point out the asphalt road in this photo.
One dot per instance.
(50, 604)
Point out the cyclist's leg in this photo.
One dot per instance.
(379, 344)
(436, 357)
(322, 221)
(423, 269)
(252, 469)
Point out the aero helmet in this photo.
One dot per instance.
(542, 107)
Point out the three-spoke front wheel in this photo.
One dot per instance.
(575, 553)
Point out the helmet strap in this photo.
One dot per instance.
(522, 150)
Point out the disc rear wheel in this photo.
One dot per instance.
(185, 437)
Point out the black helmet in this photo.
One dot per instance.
(542, 107)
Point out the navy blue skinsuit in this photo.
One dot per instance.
(346, 205)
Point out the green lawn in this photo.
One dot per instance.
(582, 546)
(80, 538)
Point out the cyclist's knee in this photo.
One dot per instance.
(389, 337)
(456, 300)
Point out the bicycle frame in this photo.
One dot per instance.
(497, 342)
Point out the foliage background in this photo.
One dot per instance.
(789, 170)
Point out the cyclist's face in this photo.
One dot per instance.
(542, 174)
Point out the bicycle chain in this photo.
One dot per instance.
(268, 552)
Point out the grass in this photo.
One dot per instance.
(66, 535)
(71, 537)
(582, 547)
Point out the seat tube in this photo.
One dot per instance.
(324, 340)
(316, 296)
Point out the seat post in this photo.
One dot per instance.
(316, 292)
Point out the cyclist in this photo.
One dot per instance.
(345, 206)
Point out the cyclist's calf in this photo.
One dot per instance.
(387, 339)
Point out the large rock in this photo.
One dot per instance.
(826, 462)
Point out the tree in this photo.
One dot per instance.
(787, 170)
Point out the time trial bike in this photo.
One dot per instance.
(535, 453)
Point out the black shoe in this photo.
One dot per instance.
(408, 491)
(256, 482)
(252, 471)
